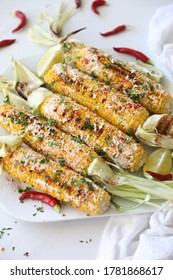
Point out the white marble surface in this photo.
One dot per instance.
(71, 239)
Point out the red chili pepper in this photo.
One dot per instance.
(160, 177)
(7, 42)
(97, 4)
(78, 4)
(115, 30)
(135, 53)
(43, 197)
(22, 18)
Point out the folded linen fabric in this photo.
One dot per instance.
(139, 237)
(160, 39)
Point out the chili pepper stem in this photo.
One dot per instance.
(57, 208)
(150, 62)
(13, 14)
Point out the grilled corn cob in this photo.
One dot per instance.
(97, 133)
(47, 139)
(116, 108)
(118, 75)
(60, 182)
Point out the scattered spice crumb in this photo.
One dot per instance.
(2, 249)
(26, 254)
(87, 241)
(40, 209)
(2, 231)
(13, 248)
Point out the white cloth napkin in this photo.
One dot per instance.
(160, 39)
(139, 237)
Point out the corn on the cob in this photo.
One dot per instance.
(115, 107)
(49, 140)
(60, 182)
(123, 78)
(97, 133)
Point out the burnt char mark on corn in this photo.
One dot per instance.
(46, 139)
(60, 182)
(114, 107)
(85, 126)
(138, 86)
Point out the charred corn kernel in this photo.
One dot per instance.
(114, 107)
(47, 139)
(140, 87)
(60, 182)
(85, 126)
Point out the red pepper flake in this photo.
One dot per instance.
(160, 177)
(78, 4)
(22, 18)
(86, 60)
(97, 4)
(43, 197)
(7, 42)
(115, 30)
(135, 53)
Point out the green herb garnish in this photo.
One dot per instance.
(87, 125)
(77, 139)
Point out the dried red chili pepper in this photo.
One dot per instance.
(22, 18)
(115, 30)
(97, 4)
(160, 177)
(135, 53)
(43, 197)
(7, 42)
(78, 4)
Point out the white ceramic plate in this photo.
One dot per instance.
(9, 195)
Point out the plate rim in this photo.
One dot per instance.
(142, 209)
